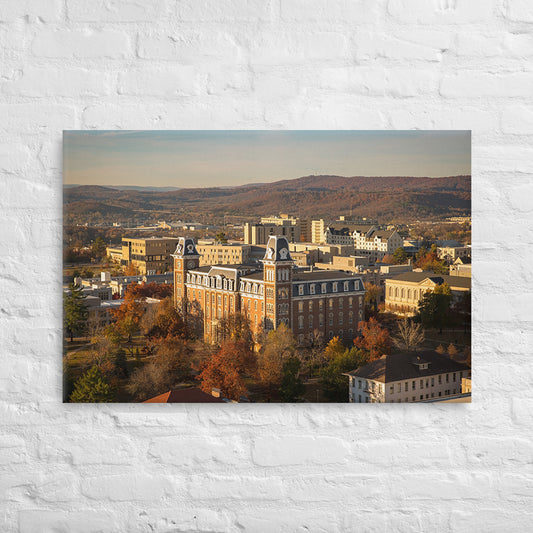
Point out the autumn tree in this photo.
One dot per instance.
(434, 307)
(92, 388)
(334, 348)
(374, 339)
(278, 346)
(236, 327)
(75, 311)
(164, 322)
(128, 316)
(226, 368)
(399, 256)
(429, 261)
(292, 386)
(372, 293)
(410, 335)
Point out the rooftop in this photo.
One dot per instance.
(190, 395)
(418, 277)
(408, 365)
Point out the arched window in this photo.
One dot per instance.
(301, 321)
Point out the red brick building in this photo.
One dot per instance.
(311, 303)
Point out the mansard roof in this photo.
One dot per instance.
(185, 248)
(277, 249)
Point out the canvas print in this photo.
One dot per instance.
(267, 266)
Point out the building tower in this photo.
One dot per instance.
(185, 258)
(277, 276)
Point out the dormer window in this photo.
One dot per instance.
(335, 286)
(312, 288)
(300, 290)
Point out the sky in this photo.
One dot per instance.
(213, 158)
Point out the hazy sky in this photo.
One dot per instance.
(212, 158)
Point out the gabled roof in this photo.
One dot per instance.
(408, 365)
(190, 395)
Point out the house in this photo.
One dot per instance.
(407, 377)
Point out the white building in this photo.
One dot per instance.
(406, 378)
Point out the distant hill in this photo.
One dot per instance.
(129, 188)
(386, 198)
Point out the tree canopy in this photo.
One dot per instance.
(75, 311)
(92, 387)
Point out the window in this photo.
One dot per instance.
(392, 389)
(447, 378)
(359, 383)
(454, 376)
(340, 318)
(312, 289)
(413, 385)
(414, 398)
(310, 321)
(321, 320)
(440, 379)
(331, 319)
(321, 304)
(310, 307)
(350, 302)
(323, 288)
(300, 307)
(300, 290)
(421, 383)
(331, 303)
(335, 287)
(406, 386)
(399, 387)
(346, 285)
(432, 382)
(350, 317)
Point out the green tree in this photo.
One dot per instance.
(221, 238)
(121, 362)
(99, 248)
(400, 256)
(92, 388)
(75, 311)
(434, 307)
(333, 381)
(292, 386)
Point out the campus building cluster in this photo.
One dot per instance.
(311, 303)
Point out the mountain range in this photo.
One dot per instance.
(389, 199)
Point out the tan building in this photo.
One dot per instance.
(351, 263)
(319, 228)
(403, 292)
(150, 255)
(114, 253)
(406, 378)
(224, 254)
(257, 234)
(462, 266)
(325, 252)
(451, 253)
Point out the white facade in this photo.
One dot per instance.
(417, 389)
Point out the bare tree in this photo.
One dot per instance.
(410, 335)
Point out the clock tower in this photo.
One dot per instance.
(277, 276)
(186, 258)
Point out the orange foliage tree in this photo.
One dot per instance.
(226, 367)
(375, 340)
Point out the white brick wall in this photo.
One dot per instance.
(361, 64)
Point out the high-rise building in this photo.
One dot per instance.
(150, 255)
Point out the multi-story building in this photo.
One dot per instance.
(407, 377)
(452, 252)
(149, 256)
(319, 226)
(462, 266)
(311, 303)
(403, 292)
(376, 243)
(212, 253)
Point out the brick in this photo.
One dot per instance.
(61, 521)
(81, 44)
(519, 44)
(424, 45)
(470, 83)
(296, 450)
(289, 48)
(337, 11)
(39, 81)
(504, 158)
(480, 45)
(519, 10)
(36, 118)
(520, 197)
(517, 119)
(169, 82)
(90, 449)
(198, 451)
(186, 47)
(441, 12)
(116, 10)
(18, 9)
(226, 10)
(14, 157)
(210, 487)
(12, 449)
(56, 487)
(127, 487)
